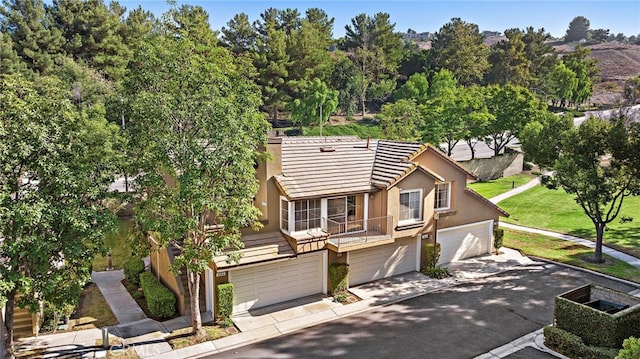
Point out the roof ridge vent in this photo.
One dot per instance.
(327, 149)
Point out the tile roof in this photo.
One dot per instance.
(322, 166)
(391, 161)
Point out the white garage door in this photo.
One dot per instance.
(272, 283)
(384, 261)
(465, 241)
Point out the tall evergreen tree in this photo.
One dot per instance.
(33, 32)
(239, 35)
(459, 47)
(508, 60)
(578, 29)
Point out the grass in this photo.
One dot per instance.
(362, 129)
(119, 245)
(93, 311)
(182, 337)
(556, 210)
(501, 185)
(567, 252)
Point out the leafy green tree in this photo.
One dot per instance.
(459, 47)
(511, 107)
(562, 83)
(475, 116)
(416, 88)
(239, 35)
(138, 25)
(402, 120)
(541, 55)
(195, 128)
(587, 72)
(191, 22)
(509, 62)
(316, 104)
(344, 77)
(630, 349)
(540, 138)
(597, 163)
(599, 35)
(32, 29)
(578, 29)
(445, 108)
(57, 165)
(632, 90)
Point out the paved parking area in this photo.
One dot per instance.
(463, 321)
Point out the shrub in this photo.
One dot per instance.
(573, 346)
(339, 277)
(527, 166)
(630, 349)
(224, 293)
(132, 269)
(437, 272)
(431, 255)
(160, 300)
(498, 236)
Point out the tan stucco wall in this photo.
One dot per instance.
(268, 196)
(505, 165)
(160, 262)
(414, 181)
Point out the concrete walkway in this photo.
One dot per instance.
(123, 306)
(534, 182)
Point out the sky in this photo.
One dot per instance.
(430, 15)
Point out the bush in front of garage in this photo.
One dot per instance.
(498, 235)
(224, 296)
(339, 278)
(431, 256)
(573, 346)
(160, 300)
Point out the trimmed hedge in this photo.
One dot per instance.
(224, 294)
(132, 270)
(160, 300)
(573, 346)
(595, 327)
(431, 256)
(339, 277)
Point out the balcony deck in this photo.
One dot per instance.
(358, 234)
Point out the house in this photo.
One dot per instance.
(370, 203)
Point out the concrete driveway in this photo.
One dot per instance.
(458, 322)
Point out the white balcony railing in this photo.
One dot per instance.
(358, 231)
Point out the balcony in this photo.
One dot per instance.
(357, 234)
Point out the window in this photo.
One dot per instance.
(284, 214)
(307, 214)
(410, 206)
(443, 195)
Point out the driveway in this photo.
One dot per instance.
(459, 322)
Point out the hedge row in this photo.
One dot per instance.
(160, 300)
(132, 270)
(224, 293)
(573, 346)
(596, 327)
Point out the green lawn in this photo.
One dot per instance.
(501, 185)
(567, 252)
(556, 210)
(120, 248)
(361, 129)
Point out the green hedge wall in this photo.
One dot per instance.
(595, 327)
(431, 257)
(224, 294)
(132, 269)
(339, 277)
(498, 236)
(573, 346)
(160, 300)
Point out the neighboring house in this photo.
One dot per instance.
(369, 203)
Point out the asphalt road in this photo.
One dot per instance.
(458, 322)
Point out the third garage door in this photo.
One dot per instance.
(384, 261)
(465, 241)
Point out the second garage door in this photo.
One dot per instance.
(384, 261)
(272, 283)
(465, 241)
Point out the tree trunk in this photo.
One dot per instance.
(472, 149)
(194, 291)
(597, 256)
(7, 325)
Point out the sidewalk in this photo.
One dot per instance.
(534, 182)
